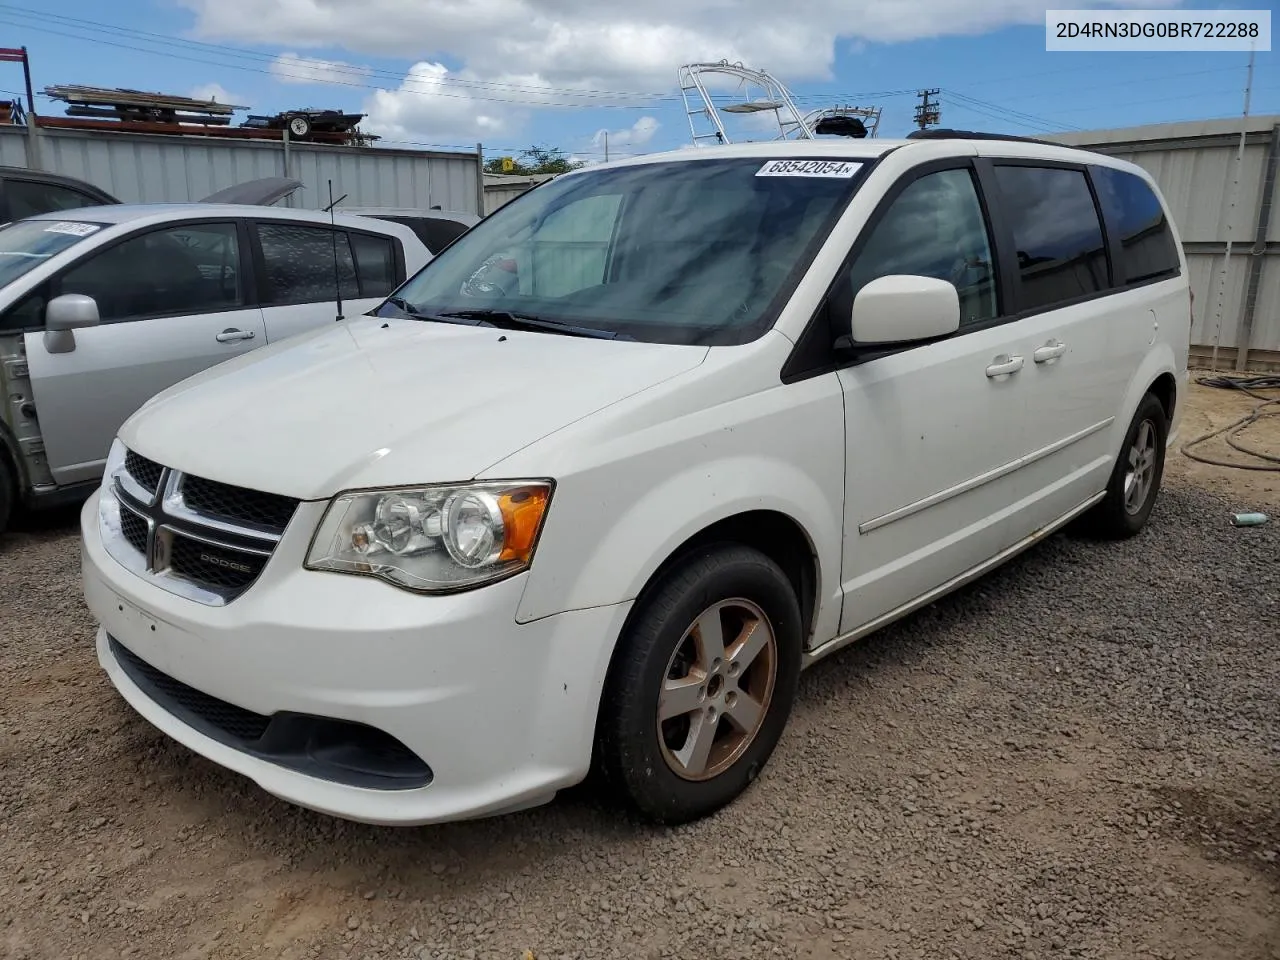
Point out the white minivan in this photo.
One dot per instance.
(592, 487)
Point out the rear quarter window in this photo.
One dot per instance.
(1148, 250)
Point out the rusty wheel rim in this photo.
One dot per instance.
(716, 689)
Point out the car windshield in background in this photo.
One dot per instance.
(26, 244)
(696, 252)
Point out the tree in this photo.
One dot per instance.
(533, 161)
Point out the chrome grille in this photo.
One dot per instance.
(220, 568)
(263, 511)
(145, 472)
(199, 538)
(134, 527)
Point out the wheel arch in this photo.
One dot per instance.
(777, 535)
(1156, 375)
(1165, 388)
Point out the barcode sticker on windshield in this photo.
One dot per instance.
(75, 229)
(832, 169)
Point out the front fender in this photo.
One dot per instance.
(614, 521)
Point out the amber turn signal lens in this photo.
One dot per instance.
(522, 512)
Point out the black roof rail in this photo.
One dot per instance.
(945, 134)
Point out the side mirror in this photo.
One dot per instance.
(65, 314)
(904, 309)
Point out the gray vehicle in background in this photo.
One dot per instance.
(103, 307)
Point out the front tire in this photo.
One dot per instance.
(702, 684)
(1135, 480)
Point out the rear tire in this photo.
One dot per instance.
(701, 685)
(8, 492)
(1135, 479)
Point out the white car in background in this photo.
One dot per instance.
(598, 482)
(102, 307)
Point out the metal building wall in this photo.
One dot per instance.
(148, 168)
(501, 190)
(1194, 164)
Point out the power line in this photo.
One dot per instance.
(1037, 127)
(352, 70)
(1017, 115)
(60, 25)
(1199, 93)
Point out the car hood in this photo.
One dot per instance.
(382, 402)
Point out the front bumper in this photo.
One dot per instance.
(502, 713)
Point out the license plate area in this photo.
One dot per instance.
(132, 620)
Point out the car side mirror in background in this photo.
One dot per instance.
(904, 309)
(63, 316)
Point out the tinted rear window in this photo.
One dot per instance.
(1056, 232)
(1148, 248)
(435, 233)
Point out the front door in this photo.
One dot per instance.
(934, 432)
(170, 303)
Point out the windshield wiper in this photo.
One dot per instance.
(404, 306)
(522, 321)
(407, 308)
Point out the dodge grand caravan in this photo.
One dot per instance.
(594, 486)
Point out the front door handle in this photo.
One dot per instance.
(231, 335)
(1004, 364)
(1050, 351)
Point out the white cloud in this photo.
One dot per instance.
(427, 108)
(292, 68)
(636, 135)
(215, 91)
(611, 46)
(518, 55)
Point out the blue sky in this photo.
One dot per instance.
(560, 77)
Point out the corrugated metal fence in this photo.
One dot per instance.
(500, 190)
(149, 168)
(1195, 166)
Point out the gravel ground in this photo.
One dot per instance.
(1075, 757)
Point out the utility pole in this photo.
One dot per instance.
(606, 146)
(927, 111)
(1229, 218)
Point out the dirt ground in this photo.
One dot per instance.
(1075, 757)
(1211, 409)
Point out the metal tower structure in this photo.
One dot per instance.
(771, 96)
(833, 116)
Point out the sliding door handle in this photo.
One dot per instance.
(1004, 365)
(1050, 351)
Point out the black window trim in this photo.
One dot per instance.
(1115, 240)
(1009, 257)
(262, 291)
(815, 352)
(53, 283)
(812, 357)
(1110, 236)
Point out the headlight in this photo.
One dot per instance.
(433, 539)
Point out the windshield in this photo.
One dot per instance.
(26, 244)
(693, 252)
